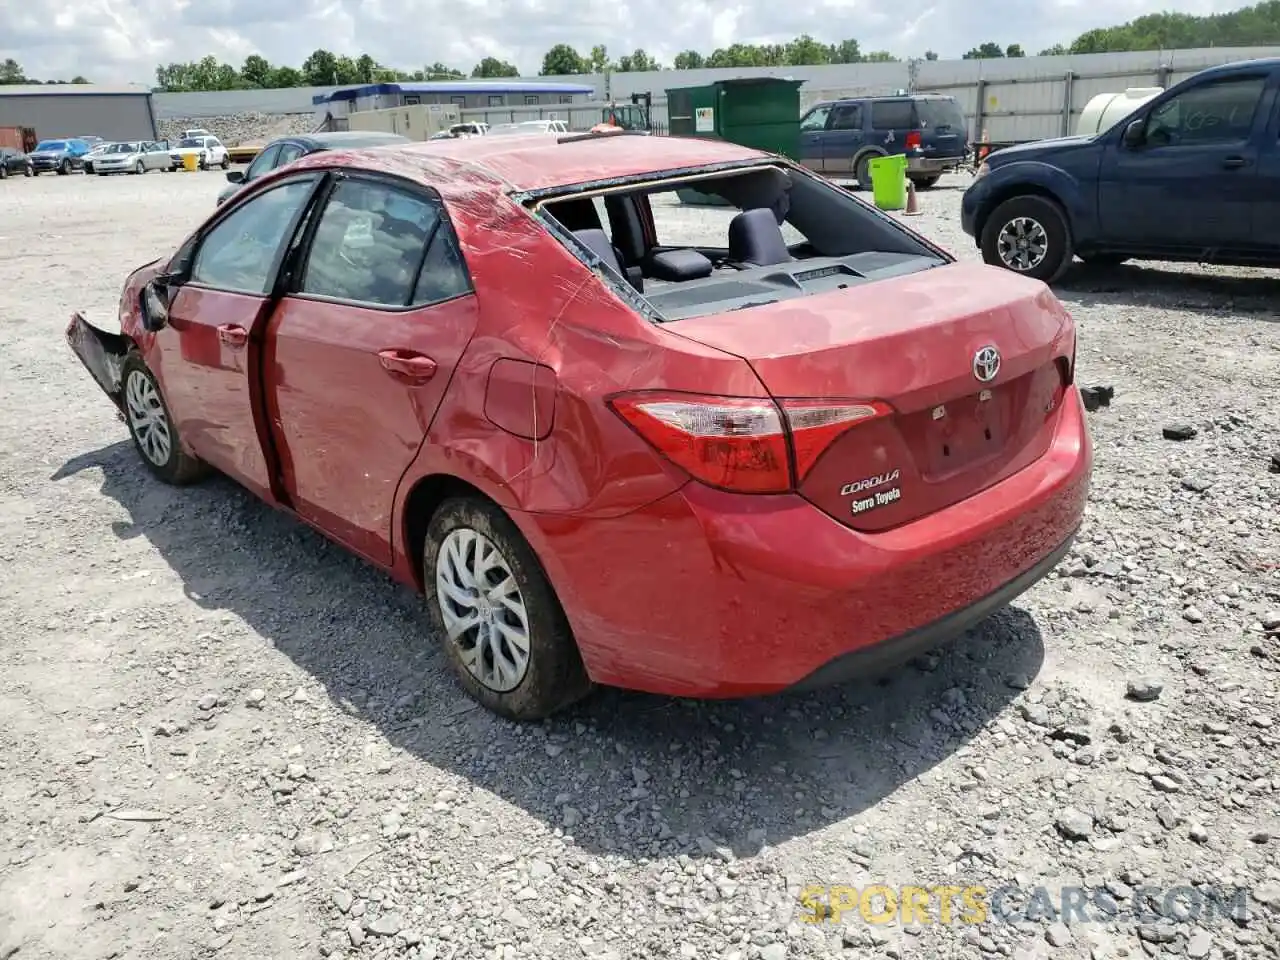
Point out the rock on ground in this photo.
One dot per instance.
(221, 735)
(240, 128)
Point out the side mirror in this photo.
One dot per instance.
(155, 307)
(1133, 134)
(235, 176)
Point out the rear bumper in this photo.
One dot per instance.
(709, 594)
(931, 166)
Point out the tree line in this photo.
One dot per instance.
(11, 74)
(1257, 25)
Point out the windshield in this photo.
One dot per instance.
(52, 145)
(939, 114)
(191, 142)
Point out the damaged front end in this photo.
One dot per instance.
(102, 353)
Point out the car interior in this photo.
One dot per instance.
(842, 241)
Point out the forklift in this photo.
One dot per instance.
(633, 117)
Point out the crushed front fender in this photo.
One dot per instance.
(101, 352)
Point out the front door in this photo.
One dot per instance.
(207, 355)
(812, 127)
(360, 354)
(843, 139)
(1190, 183)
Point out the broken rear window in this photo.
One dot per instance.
(698, 245)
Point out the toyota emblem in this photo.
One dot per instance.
(986, 364)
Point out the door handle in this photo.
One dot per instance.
(1234, 163)
(233, 335)
(412, 365)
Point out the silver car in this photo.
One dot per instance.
(136, 156)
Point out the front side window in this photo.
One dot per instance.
(369, 244)
(240, 252)
(1219, 112)
(815, 119)
(847, 116)
(263, 162)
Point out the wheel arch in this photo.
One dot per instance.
(1021, 189)
(865, 153)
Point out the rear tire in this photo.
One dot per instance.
(469, 534)
(862, 171)
(1028, 235)
(155, 435)
(226, 162)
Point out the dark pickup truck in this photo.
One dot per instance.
(1192, 175)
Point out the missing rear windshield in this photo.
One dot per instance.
(694, 246)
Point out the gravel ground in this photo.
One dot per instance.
(222, 735)
(241, 127)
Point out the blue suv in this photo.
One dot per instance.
(838, 138)
(61, 156)
(1192, 175)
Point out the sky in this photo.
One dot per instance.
(122, 41)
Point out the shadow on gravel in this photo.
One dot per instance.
(648, 775)
(1186, 289)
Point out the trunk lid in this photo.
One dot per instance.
(912, 342)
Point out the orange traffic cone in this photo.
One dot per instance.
(913, 205)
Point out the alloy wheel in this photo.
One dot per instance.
(147, 418)
(1023, 244)
(483, 609)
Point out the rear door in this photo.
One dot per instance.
(813, 127)
(1191, 183)
(1266, 211)
(208, 355)
(943, 133)
(843, 139)
(360, 353)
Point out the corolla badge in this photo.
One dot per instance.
(986, 364)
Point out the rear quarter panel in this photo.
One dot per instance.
(539, 304)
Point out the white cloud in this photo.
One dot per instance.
(124, 40)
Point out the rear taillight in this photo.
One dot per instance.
(914, 141)
(746, 445)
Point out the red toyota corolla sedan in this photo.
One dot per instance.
(666, 414)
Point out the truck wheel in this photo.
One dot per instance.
(1028, 235)
(862, 170)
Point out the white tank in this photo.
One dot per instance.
(1107, 109)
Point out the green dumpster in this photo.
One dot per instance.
(889, 181)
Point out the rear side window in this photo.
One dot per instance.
(942, 115)
(369, 244)
(444, 275)
(893, 115)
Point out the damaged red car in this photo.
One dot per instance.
(666, 414)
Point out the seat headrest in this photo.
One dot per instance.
(756, 238)
(597, 241)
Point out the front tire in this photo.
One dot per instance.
(496, 614)
(1028, 235)
(64, 168)
(4, 172)
(226, 163)
(155, 435)
(139, 169)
